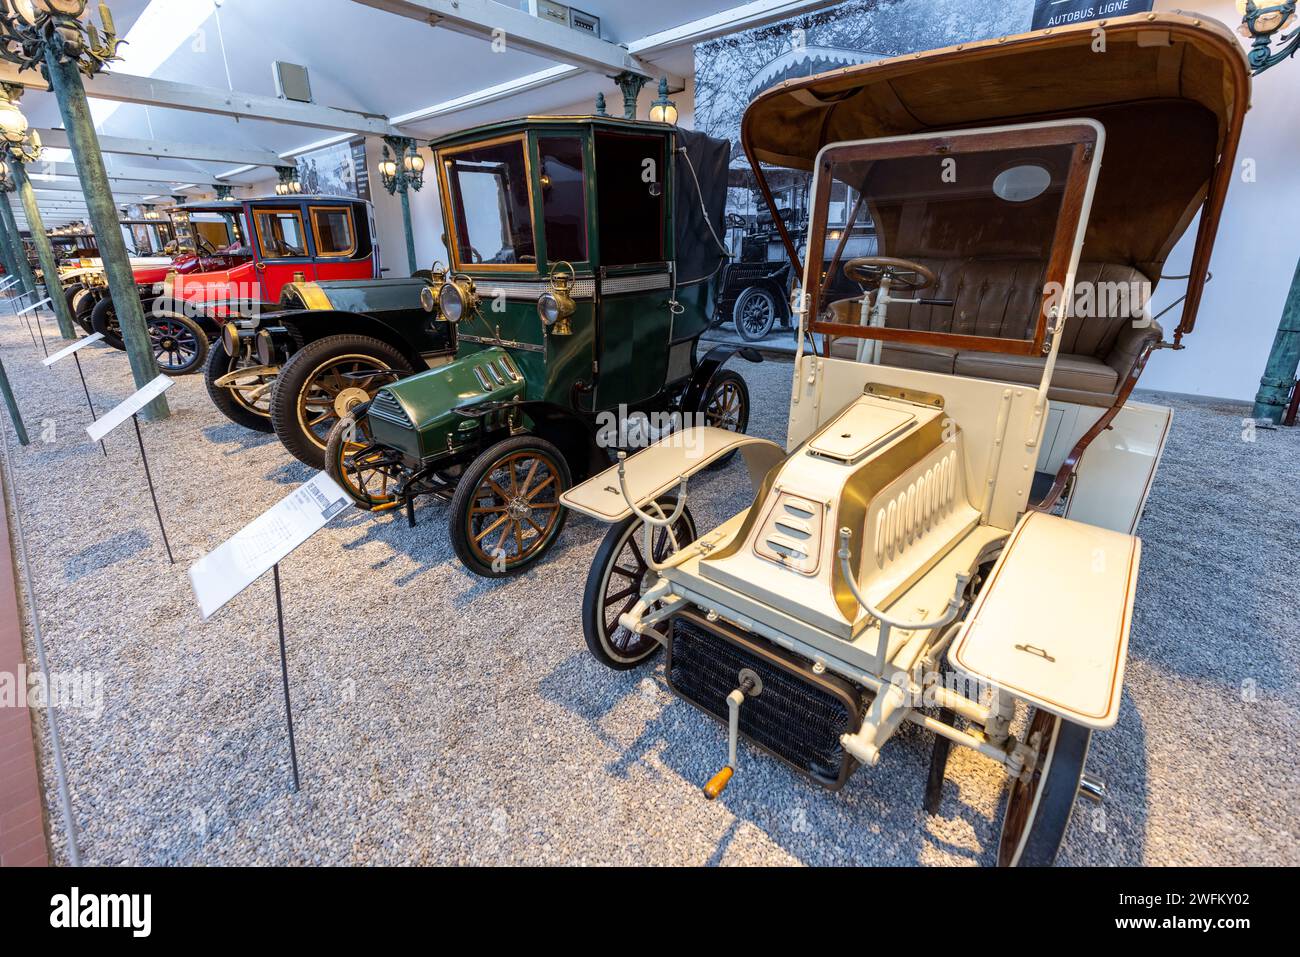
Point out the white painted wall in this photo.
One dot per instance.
(1256, 254)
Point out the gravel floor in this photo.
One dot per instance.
(445, 719)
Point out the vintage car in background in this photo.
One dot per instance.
(900, 563)
(584, 260)
(760, 281)
(233, 258)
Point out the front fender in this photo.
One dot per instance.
(707, 370)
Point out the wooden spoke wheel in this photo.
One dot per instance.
(618, 578)
(506, 513)
(1038, 810)
(179, 343)
(369, 475)
(324, 381)
(726, 406)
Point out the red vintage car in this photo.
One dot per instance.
(233, 258)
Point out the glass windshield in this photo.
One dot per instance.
(490, 207)
(951, 241)
(211, 233)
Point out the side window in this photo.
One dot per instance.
(281, 233)
(334, 233)
(564, 208)
(491, 212)
(630, 174)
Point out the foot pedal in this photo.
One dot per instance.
(751, 685)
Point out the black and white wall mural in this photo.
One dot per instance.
(732, 70)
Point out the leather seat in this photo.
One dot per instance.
(1000, 298)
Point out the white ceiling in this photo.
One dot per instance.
(360, 58)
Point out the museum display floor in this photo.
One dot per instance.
(444, 719)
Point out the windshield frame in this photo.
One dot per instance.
(1085, 137)
(452, 222)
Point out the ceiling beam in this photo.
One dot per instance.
(519, 30)
(168, 94)
(127, 189)
(119, 174)
(747, 16)
(193, 152)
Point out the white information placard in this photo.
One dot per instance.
(75, 347)
(115, 417)
(232, 566)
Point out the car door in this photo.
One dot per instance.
(283, 250)
(339, 242)
(634, 279)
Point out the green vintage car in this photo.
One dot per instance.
(584, 257)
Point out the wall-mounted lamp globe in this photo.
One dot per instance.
(1263, 24)
(289, 184)
(410, 174)
(663, 110)
(401, 170)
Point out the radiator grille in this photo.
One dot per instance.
(385, 406)
(798, 717)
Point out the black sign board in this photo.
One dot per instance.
(360, 170)
(1062, 13)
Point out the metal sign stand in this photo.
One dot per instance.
(116, 416)
(89, 403)
(135, 420)
(284, 676)
(36, 311)
(74, 350)
(259, 547)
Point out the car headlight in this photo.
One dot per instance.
(548, 307)
(230, 339)
(456, 298)
(265, 345)
(428, 299)
(556, 305)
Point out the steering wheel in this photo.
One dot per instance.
(903, 274)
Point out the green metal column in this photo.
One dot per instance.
(17, 249)
(6, 256)
(1283, 362)
(404, 189)
(84, 142)
(12, 405)
(44, 252)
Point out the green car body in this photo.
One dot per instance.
(584, 257)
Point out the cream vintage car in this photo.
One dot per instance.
(948, 536)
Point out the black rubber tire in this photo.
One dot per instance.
(595, 626)
(219, 364)
(296, 374)
(70, 296)
(1056, 782)
(466, 496)
(82, 309)
(755, 299)
(103, 319)
(192, 343)
(727, 379)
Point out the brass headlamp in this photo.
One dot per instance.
(429, 294)
(556, 305)
(457, 297)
